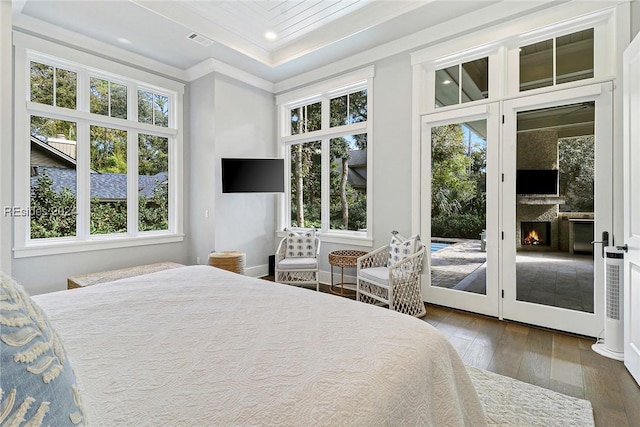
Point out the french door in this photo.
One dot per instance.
(556, 207)
(631, 310)
(459, 188)
(513, 196)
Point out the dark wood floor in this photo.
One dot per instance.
(549, 359)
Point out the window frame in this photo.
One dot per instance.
(324, 92)
(86, 66)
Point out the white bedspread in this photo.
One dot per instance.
(199, 346)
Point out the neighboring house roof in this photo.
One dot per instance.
(55, 156)
(105, 186)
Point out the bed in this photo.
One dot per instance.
(200, 346)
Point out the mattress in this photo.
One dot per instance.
(200, 346)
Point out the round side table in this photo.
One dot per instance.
(343, 258)
(228, 260)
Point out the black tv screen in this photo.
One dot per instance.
(537, 181)
(252, 175)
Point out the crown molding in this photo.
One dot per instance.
(213, 65)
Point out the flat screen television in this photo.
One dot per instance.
(537, 181)
(242, 175)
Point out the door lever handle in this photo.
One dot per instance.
(604, 241)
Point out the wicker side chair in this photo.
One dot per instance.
(397, 285)
(297, 271)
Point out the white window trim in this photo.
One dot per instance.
(502, 42)
(331, 88)
(28, 48)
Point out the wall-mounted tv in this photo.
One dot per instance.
(537, 181)
(242, 175)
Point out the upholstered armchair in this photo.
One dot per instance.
(296, 260)
(390, 275)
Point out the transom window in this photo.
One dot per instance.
(558, 60)
(462, 83)
(100, 165)
(328, 168)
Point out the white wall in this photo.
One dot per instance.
(200, 168)
(245, 120)
(6, 132)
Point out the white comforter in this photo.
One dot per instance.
(199, 346)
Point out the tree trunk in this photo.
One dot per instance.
(299, 186)
(343, 192)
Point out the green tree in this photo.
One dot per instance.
(108, 151)
(53, 214)
(577, 168)
(458, 183)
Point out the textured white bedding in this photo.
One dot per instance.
(199, 346)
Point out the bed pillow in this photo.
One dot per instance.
(301, 244)
(400, 249)
(37, 385)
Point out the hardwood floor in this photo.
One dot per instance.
(549, 359)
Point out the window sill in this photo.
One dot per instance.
(352, 239)
(67, 247)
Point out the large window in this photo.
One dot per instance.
(101, 163)
(325, 139)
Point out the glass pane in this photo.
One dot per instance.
(458, 206)
(314, 117)
(160, 110)
(447, 86)
(53, 178)
(358, 106)
(153, 183)
(145, 107)
(348, 183)
(338, 108)
(66, 88)
(475, 80)
(307, 118)
(118, 98)
(555, 206)
(536, 65)
(574, 56)
(347, 109)
(99, 96)
(41, 83)
(108, 156)
(305, 185)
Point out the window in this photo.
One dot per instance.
(101, 167)
(53, 86)
(325, 140)
(573, 55)
(462, 83)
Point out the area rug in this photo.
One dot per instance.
(509, 402)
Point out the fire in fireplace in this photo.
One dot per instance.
(535, 233)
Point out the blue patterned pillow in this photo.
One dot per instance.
(400, 249)
(302, 244)
(37, 385)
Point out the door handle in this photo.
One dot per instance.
(623, 248)
(604, 241)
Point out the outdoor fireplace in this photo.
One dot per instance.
(535, 233)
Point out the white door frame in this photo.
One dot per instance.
(631, 162)
(485, 304)
(589, 324)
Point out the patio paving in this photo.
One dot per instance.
(550, 278)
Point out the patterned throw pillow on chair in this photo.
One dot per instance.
(301, 244)
(400, 249)
(37, 385)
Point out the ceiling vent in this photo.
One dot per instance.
(200, 39)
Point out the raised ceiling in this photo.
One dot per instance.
(309, 34)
